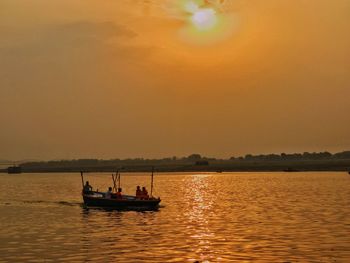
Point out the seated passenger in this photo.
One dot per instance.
(144, 193)
(87, 188)
(138, 191)
(108, 194)
(119, 193)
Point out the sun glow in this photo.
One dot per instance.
(191, 6)
(206, 22)
(204, 19)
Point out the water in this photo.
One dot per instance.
(242, 217)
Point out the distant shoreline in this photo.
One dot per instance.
(207, 166)
(295, 162)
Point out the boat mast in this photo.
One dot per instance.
(114, 178)
(118, 179)
(82, 178)
(152, 181)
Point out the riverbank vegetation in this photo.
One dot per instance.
(322, 161)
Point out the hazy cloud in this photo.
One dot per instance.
(88, 31)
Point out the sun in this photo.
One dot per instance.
(204, 19)
(204, 22)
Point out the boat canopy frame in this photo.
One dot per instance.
(116, 178)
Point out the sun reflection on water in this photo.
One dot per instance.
(197, 215)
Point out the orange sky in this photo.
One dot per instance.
(138, 78)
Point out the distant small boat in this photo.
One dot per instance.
(14, 169)
(290, 170)
(123, 202)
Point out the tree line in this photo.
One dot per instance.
(193, 158)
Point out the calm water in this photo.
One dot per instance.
(265, 217)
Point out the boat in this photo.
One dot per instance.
(14, 169)
(290, 170)
(119, 202)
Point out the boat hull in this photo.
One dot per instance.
(14, 170)
(121, 204)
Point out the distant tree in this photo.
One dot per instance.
(298, 156)
(194, 157)
(203, 162)
(325, 155)
(272, 157)
(248, 157)
(306, 155)
(342, 155)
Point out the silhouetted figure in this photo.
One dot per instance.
(138, 191)
(108, 194)
(119, 193)
(87, 188)
(144, 193)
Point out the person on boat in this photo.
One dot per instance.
(87, 188)
(144, 194)
(108, 194)
(138, 191)
(119, 193)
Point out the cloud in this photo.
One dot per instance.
(70, 46)
(89, 31)
(81, 33)
(62, 37)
